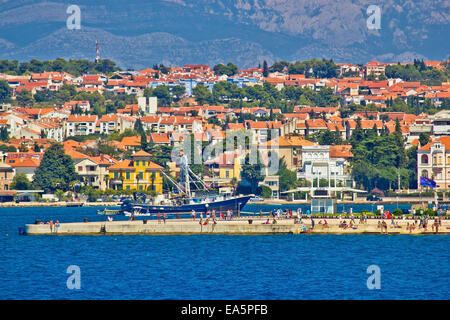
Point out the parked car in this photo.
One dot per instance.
(373, 198)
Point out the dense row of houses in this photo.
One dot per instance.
(28, 127)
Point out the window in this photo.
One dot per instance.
(80, 168)
(424, 159)
(128, 176)
(227, 173)
(116, 175)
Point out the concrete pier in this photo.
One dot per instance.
(236, 227)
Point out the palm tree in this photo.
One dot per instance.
(138, 178)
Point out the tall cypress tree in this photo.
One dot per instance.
(265, 69)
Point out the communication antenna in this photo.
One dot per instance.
(97, 56)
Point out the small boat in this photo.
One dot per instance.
(74, 204)
(108, 212)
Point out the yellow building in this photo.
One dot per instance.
(230, 167)
(139, 173)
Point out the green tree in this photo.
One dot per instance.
(424, 138)
(265, 69)
(178, 91)
(56, 170)
(202, 94)
(5, 91)
(287, 178)
(251, 173)
(20, 182)
(357, 134)
(230, 69)
(4, 135)
(163, 95)
(24, 98)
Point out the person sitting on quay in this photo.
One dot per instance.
(267, 221)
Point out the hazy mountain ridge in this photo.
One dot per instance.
(140, 33)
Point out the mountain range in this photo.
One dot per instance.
(139, 33)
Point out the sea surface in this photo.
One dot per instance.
(215, 266)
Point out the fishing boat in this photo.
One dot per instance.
(185, 201)
(219, 204)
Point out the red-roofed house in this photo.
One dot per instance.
(80, 125)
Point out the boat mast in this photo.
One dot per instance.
(184, 166)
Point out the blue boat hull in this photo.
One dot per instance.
(235, 204)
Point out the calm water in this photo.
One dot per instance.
(215, 267)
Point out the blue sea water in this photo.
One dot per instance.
(215, 266)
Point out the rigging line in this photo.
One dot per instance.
(173, 182)
(199, 180)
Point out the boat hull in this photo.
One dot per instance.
(235, 204)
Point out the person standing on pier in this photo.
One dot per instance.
(193, 215)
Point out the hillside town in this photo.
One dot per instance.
(376, 127)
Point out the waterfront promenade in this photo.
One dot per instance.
(238, 226)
